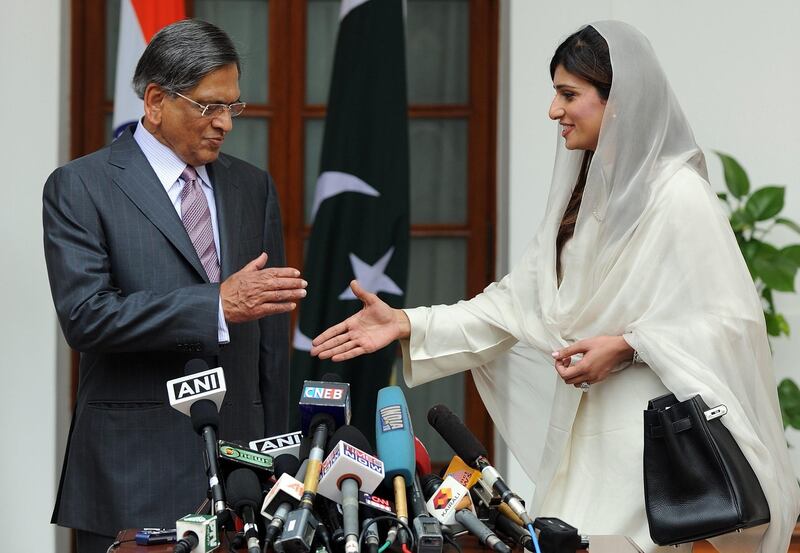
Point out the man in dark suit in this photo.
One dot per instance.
(161, 249)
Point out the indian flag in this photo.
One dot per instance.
(139, 20)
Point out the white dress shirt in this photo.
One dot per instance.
(168, 168)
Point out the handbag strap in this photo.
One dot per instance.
(657, 431)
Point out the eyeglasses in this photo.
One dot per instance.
(216, 110)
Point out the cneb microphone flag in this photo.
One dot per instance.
(139, 20)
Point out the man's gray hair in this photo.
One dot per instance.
(181, 54)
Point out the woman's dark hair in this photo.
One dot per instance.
(585, 55)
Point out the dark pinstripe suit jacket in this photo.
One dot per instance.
(134, 300)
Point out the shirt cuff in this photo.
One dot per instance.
(222, 327)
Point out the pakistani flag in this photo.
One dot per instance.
(360, 211)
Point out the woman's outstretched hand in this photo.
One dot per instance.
(374, 327)
(600, 355)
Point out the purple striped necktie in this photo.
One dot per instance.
(197, 219)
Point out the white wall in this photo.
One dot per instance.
(734, 67)
(34, 66)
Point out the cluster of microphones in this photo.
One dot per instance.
(324, 489)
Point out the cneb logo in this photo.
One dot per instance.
(313, 392)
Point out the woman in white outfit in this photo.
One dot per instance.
(633, 286)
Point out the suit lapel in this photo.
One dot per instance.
(229, 200)
(139, 182)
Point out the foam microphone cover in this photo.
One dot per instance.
(393, 433)
(193, 366)
(243, 489)
(285, 463)
(457, 436)
(430, 483)
(322, 419)
(305, 448)
(350, 435)
(204, 413)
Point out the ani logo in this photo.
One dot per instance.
(391, 418)
(442, 498)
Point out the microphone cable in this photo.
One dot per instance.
(532, 532)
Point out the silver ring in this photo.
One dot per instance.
(584, 386)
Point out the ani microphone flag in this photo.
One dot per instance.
(139, 20)
(361, 204)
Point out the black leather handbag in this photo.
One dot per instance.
(697, 482)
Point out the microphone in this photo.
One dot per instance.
(199, 395)
(198, 534)
(277, 445)
(395, 440)
(347, 470)
(467, 446)
(328, 395)
(301, 524)
(512, 530)
(283, 497)
(427, 528)
(451, 499)
(234, 456)
(244, 494)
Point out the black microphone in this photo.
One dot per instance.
(433, 485)
(467, 446)
(199, 394)
(514, 531)
(244, 495)
(301, 524)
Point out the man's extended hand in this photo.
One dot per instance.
(255, 292)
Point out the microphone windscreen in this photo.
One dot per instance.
(194, 366)
(285, 463)
(393, 433)
(305, 448)
(243, 489)
(204, 413)
(457, 436)
(422, 457)
(430, 483)
(324, 419)
(350, 435)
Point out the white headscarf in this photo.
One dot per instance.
(651, 256)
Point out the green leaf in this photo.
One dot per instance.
(750, 249)
(788, 223)
(722, 196)
(741, 220)
(735, 177)
(776, 324)
(774, 269)
(765, 203)
(766, 293)
(789, 399)
(792, 253)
